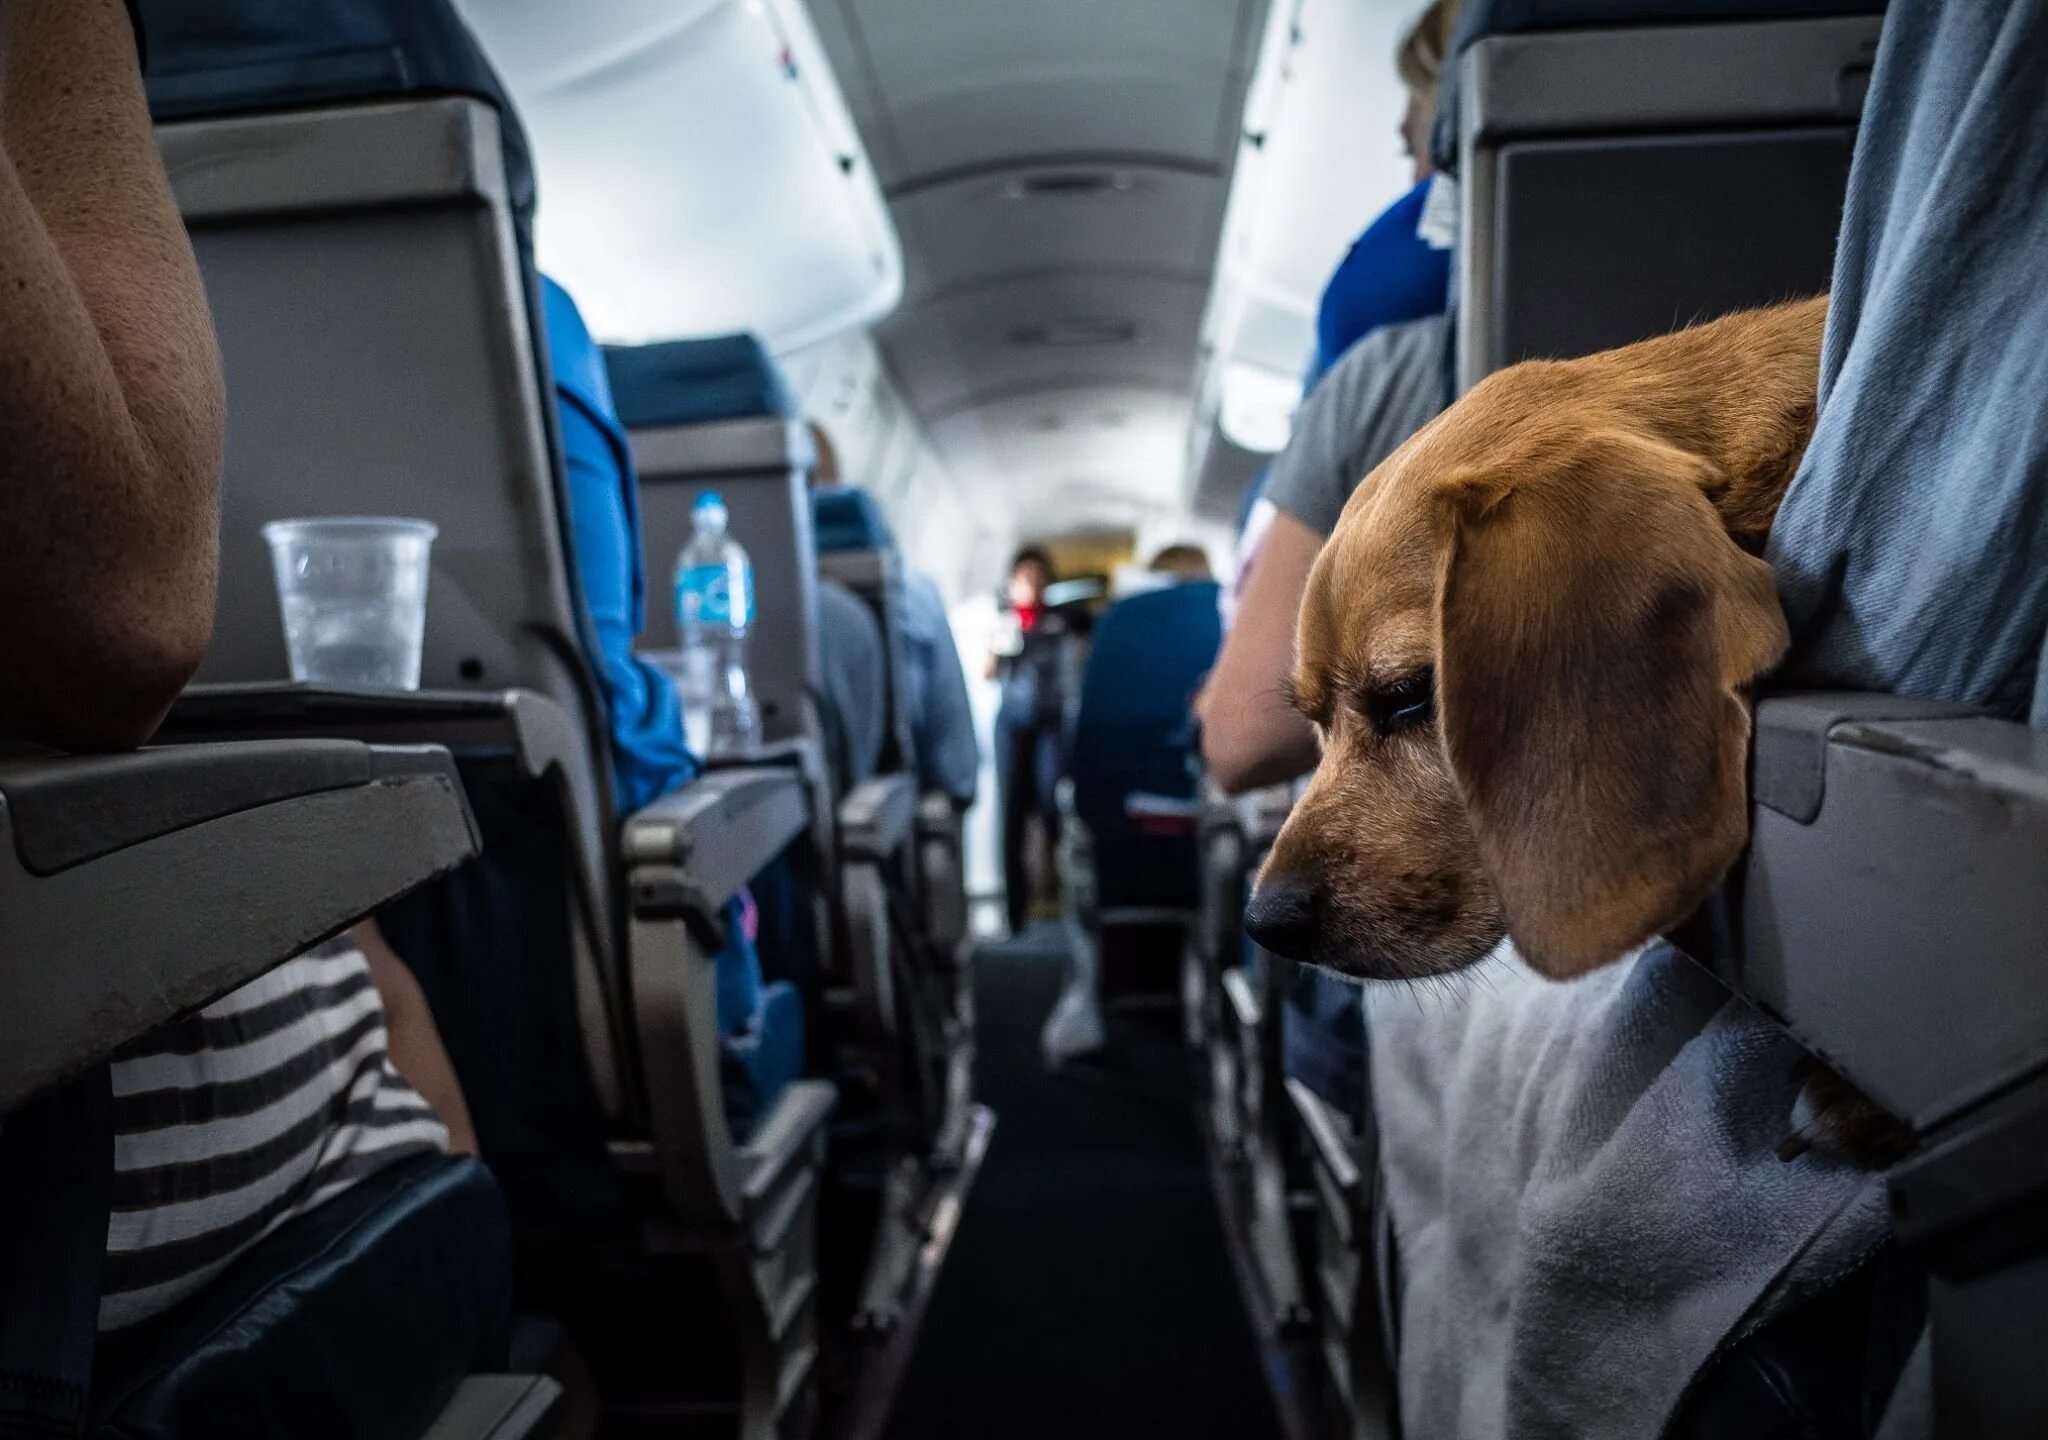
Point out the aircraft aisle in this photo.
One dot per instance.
(1126, 1319)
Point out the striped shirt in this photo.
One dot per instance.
(230, 1121)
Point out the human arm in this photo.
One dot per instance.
(111, 409)
(412, 1039)
(1251, 736)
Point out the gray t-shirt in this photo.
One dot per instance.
(1383, 389)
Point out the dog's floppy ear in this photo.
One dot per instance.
(1595, 625)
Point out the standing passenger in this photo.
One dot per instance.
(1028, 726)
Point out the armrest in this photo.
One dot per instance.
(938, 817)
(710, 837)
(1891, 910)
(1332, 1152)
(137, 887)
(875, 817)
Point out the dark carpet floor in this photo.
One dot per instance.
(1088, 1292)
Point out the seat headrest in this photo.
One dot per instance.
(210, 58)
(1478, 19)
(846, 517)
(694, 382)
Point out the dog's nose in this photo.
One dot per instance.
(1286, 916)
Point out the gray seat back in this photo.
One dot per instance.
(373, 313)
(376, 323)
(876, 576)
(759, 465)
(1621, 183)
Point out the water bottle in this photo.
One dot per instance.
(714, 607)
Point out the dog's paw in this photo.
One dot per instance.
(1835, 1119)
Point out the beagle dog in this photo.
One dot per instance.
(1527, 649)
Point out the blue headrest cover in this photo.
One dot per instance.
(229, 57)
(693, 382)
(846, 517)
(1147, 657)
(1478, 19)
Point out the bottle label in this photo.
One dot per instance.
(705, 591)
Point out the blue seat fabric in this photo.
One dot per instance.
(846, 517)
(354, 1321)
(696, 382)
(1132, 735)
(228, 57)
(1389, 275)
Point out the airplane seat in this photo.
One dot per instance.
(1618, 160)
(857, 549)
(715, 414)
(332, 171)
(1131, 859)
(227, 860)
(245, 1356)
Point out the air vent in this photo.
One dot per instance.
(1074, 334)
(1069, 184)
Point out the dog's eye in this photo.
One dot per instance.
(1403, 705)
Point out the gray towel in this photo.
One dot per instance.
(1586, 1194)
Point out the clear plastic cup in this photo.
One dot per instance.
(353, 590)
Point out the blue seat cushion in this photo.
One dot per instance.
(758, 1063)
(1133, 734)
(695, 382)
(229, 57)
(354, 1321)
(846, 517)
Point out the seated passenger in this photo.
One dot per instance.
(1182, 562)
(1391, 273)
(941, 716)
(853, 668)
(1028, 726)
(271, 1100)
(1382, 389)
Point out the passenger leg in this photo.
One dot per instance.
(1014, 787)
(412, 1040)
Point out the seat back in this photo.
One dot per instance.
(1621, 182)
(715, 415)
(1131, 743)
(358, 171)
(856, 548)
(359, 197)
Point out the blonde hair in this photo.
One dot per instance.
(1426, 47)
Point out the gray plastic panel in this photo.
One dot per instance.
(1899, 934)
(876, 815)
(111, 946)
(1621, 183)
(721, 829)
(403, 153)
(381, 360)
(759, 467)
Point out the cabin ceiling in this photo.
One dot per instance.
(1057, 172)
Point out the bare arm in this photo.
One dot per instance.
(413, 1040)
(111, 412)
(1251, 737)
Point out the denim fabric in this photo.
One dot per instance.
(1912, 549)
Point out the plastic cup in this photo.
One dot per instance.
(353, 590)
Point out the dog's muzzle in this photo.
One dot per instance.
(1286, 917)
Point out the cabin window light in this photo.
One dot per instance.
(1258, 406)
